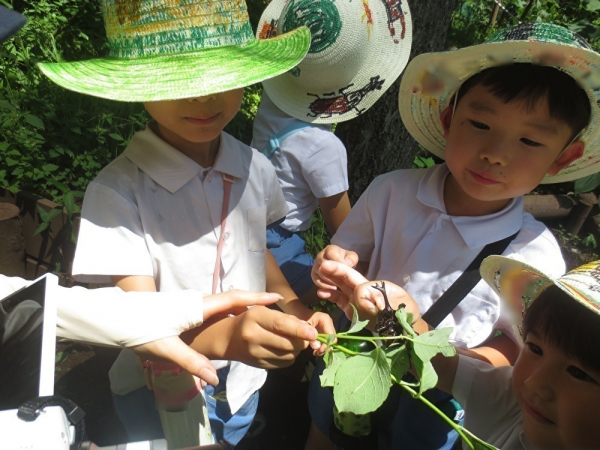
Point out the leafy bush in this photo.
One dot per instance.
(471, 23)
(51, 138)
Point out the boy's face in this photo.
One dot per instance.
(497, 151)
(197, 120)
(559, 398)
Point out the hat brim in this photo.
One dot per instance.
(512, 279)
(182, 75)
(322, 100)
(420, 108)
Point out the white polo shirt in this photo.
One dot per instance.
(491, 409)
(310, 164)
(400, 225)
(153, 211)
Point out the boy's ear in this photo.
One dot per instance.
(570, 154)
(446, 118)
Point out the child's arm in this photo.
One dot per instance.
(291, 304)
(135, 283)
(334, 210)
(259, 337)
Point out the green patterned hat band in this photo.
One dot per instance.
(140, 28)
(540, 32)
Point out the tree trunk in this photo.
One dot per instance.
(376, 141)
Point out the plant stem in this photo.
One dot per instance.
(323, 339)
(364, 338)
(443, 416)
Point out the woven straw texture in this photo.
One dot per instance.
(519, 284)
(358, 50)
(172, 49)
(430, 81)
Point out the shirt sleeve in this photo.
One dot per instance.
(325, 165)
(357, 233)
(485, 392)
(112, 317)
(111, 238)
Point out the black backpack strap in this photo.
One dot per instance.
(463, 284)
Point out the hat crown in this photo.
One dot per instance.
(540, 32)
(139, 28)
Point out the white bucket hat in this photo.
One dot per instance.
(431, 79)
(358, 49)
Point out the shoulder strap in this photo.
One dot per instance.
(463, 284)
(275, 141)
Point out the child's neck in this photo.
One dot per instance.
(459, 203)
(202, 153)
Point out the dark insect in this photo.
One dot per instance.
(330, 103)
(387, 325)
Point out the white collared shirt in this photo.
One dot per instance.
(400, 225)
(155, 212)
(310, 164)
(491, 409)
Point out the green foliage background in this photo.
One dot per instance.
(53, 141)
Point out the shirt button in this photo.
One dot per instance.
(406, 279)
(226, 235)
(231, 288)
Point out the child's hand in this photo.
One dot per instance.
(369, 301)
(322, 322)
(345, 279)
(236, 302)
(269, 339)
(331, 253)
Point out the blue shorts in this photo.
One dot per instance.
(400, 419)
(295, 264)
(137, 412)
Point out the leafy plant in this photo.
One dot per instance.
(361, 381)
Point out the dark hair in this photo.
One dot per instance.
(567, 325)
(567, 101)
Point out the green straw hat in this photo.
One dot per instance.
(358, 50)
(172, 49)
(430, 81)
(519, 284)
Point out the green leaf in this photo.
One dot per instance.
(63, 188)
(43, 214)
(399, 361)
(425, 373)
(429, 344)
(362, 383)
(586, 184)
(34, 120)
(116, 137)
(333, 363)
(593, 6)
(356, 324)
(49, 167)
(403, 317)
(11, 162)
(41, 228)
(6, 105)
(69, 203)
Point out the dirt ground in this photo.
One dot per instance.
(82, 376)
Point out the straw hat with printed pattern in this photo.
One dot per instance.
(172, 49)
(431, 79)
(358, 49)
(519, 284)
